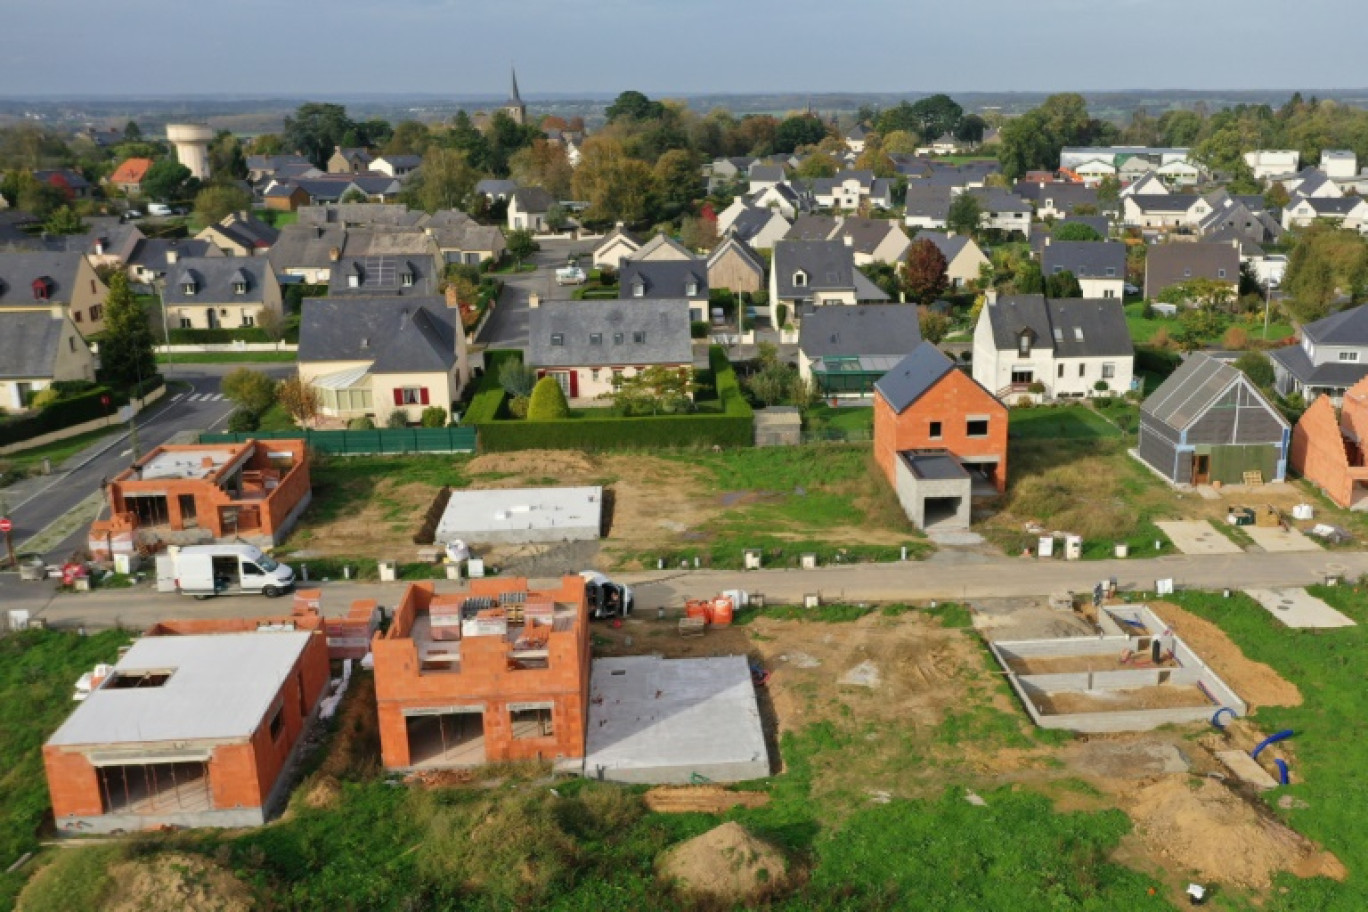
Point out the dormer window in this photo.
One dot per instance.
(239, 287)
(691, 289)
(42, 288)
(354, 280)
(638, 289)
(639, 338)
(407, 278)
(188, 289)
(1024, 344)
(800, 279)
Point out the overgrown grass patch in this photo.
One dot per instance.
(1058, 422)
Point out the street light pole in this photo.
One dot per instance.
(159, 282)
(1268, 304)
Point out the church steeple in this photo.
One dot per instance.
(514, 107)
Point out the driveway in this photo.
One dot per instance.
(508, 327)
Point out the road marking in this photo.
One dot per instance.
(127, 452)
(216, 397)
(177, 397)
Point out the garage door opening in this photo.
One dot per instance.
(938, 511)
(155, 788)
(446, 739)
(149, 509)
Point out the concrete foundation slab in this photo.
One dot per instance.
(1272, 538)
(1197, 537)
(667, 721)
(522, 515)
(1298, 608)
(1247, 769)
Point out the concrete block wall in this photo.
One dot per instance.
(1318, 452)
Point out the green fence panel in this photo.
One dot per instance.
(388, 441)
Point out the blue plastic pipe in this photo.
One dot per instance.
(1216, 719)
(1271, 739)
(1282, 770)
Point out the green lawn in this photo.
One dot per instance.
(277, 219)
(845, 418)
(60, 451)
(1143, 330)
(1061, 421)
(269, 357)
(276, 418)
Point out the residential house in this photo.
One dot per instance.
(1180, 174)
(128, 177)
(1164, 211)
(111, 242)
(1349, 212)
(1267, 163)
(245, 493)
(1339, 164)
(459, 683)
(844, 350)
(285, 196)
(784, 198)
(1148, 183)
(363, 215)
(460, 239)
(1330, 451)
(663, 247)
(758, 228)
(260, 167)
(307, 252)
(496, 190)
(1209, 423)
(870, 240)
(810, 274)
(616, 246)
(947, 144)
(733, 265)
(761, 175)
(1061, 200)
(937, 432)
(527, 209)
(73, 184)
(850, 189)
(377, 188)
(968, 176)
(349, 161)
(39, 346)
(963, 258)
(372, 357)
(152, 258)
(397, 165)
(1073, 156)
(730, 170)
(188, 731)
(855, 138)
(383, 275)
(667, 279)
(220, 292)
(41, 279)
(1332, 357)
(1310, 182)
(1094, 172)
(927, 206)
(1170, 264)
(1068, 347)
(586, 344)
(240, 234)
(1003, 210)
(1243, 215)
(1099, 266)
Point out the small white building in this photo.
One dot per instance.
(1266, 163)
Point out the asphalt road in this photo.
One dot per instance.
(951, 574)
(508, 326)
(37, 503)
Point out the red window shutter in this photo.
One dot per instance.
(423, 395)
(398, 396)
(541, 374)
(574, 384)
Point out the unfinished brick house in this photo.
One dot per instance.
(187, 730)
(496, 673)
(1330, 452)
(252, 492)
(939, 437)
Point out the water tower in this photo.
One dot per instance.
(192, 146)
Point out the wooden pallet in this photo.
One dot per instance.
(1253, 478)
(692, 627)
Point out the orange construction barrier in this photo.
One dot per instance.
(722, 612)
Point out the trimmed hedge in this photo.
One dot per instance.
(218, 336)
(1156, 360)
(735, 427)
(76, 409)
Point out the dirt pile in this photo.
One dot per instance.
(707, 799)
(1202, 825)
(173, 883)
(727, 863)
(1256, 683)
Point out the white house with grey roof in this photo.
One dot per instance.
(809, 274)
(849, 189)
(1067, 347)
(220, 292)
(584, 345)
(644, 280)
(39, 346)
(1099, 266)
(370, 357)
(1332, 356)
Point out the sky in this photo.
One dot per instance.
(297, 48)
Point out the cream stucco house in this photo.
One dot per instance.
(38, 346)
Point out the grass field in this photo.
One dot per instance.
(846, 418)
(58, 452)
(1143, 330)
(1067, 422)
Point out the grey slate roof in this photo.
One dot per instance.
(1169, 264)
(398, 335)
(533, 199)
(151, 253)
(18, 271)
(1346, 328)
(928, 201)
(214, 278)
(742, 248)
(1165, 202)
(1295, 361)
(949, 247)
(995, 199)
(1072, 328)
(663, 323)
(383, 276)
(1085, 259)
(751, 221)
(354, 215)
(247, 230)
(662, 279)
(913, 376)
(763, 172)
(812, 228)
(492, 186)
(829, 266)
(865, 329)
(28, 343)
(302, 246)
(1192, 388)
(1064, 196)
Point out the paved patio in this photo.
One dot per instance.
(1297, 608)
(1197, 537)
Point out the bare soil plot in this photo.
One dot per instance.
(1256, 683)
(1159, 696)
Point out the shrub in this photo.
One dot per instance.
(74, 409)
(397, 419)
(1036, 387)
(548, 401)
(434, 416)
(1237, 337)
(698, 329)
(218, 336)
(361, 424)
(243, 421)
(1102, 386)
(781, 312)
(517, 406)
(516, 378)
(44, 397)
(252, 391)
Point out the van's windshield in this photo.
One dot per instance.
(267, 564)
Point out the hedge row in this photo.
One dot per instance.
(218, 336)
(488, 402)
(77, 409)
(728, 384)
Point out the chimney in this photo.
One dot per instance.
(849, 241)
(334, 254)
(451, 300)
(534, 300)
(172, 255)
(990, 296)
(99, 246)
(57, 311)
(1048, 238)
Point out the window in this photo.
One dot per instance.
(248, 320)
(596, 338)
(1111, 270)
(595, 374)
(557, 338)
(411, 395)
(638, 289)
(976, 427)
(1082, 370)
(278, 723)
(188, 289)
(1058, 270)
(617, 338)
(691, 290)
(239, 288)
(407, 279)
(97, 311)
(799, 279)
(639, 338)
(1348, 356)
(1022, 377)
(71, 342)
(353, 281)
(1024, 345)
(1220, 273)
(1187, 273)
(76, 316)
(935, 430)
(1108, 371)
(531, 720)
(1060, 373)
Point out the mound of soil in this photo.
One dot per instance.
(726, 863)
(174, 883)
(1256, 683)
(708, 799)
(1202, 825)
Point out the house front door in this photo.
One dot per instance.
(1201, 468)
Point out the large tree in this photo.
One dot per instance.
(617, 187)
(937, 115)
(316, 129)
(126, 349)
(214, 203)
(795, 132)
(924, 277)
(1033, 140)
(677, 183)
(965, 214)
(168, 180)
(543, 164)
(226, 159)
(445, 181)
(633, 106)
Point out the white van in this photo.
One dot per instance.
(158, 209)
(208, 570)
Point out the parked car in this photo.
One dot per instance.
(208, 570)
(132, 214)
(570, 275)
(159, 209)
